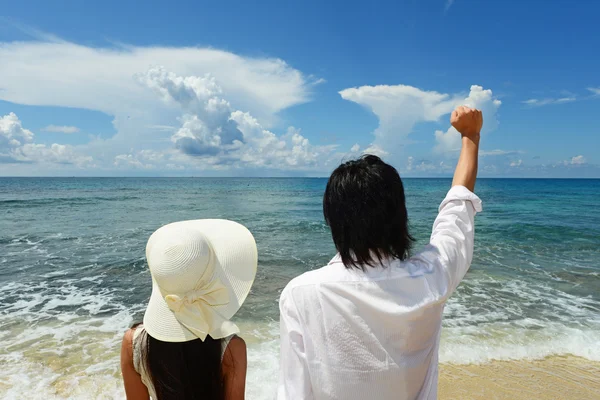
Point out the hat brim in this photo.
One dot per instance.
(236, 260)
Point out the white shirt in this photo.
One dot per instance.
(348, 334)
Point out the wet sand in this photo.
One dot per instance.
(555, 378)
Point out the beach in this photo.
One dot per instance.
(564, 377)
(525, 323)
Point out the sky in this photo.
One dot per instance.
(235, 88)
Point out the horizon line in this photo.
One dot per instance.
(268, 177)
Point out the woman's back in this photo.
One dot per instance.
(196, 383)
(171, 359)
(187, 348)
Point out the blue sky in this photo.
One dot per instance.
(235, 88)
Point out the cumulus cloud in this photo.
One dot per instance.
(17, 146)
(262, 148)
(421, 165)
(133, 161)
(207, 127)
(216, 134)
(480, 98)
(400, 107)
(574, 166)
(12, 133)
(375, 150)
(516, 163)
(575, 161)
(424, 167)
(55, 153)
(196, 94)
(61, 129)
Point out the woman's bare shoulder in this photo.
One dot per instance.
(235, 353)
(127, 345)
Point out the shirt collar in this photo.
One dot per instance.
(337, 259)
(386, 262)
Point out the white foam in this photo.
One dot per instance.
(94, 372)
(474, 345)
(58, 341)
(263, 362)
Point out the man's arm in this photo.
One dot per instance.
(454, 228)
(468, 122)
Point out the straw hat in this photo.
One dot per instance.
(202, 271)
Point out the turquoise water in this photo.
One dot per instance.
(73, 275)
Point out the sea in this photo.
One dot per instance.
(73, 276)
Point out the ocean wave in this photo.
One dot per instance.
(507, 341)
(55, 201)
(74, 278)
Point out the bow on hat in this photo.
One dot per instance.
(196, 310)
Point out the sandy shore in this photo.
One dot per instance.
(553, 378)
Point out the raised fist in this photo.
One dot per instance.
(468, 121)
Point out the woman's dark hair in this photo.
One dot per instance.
(187, 370)
(365, 208)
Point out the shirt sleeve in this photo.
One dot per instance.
(294, 379)
(454, 231)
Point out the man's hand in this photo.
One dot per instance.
(468, 121)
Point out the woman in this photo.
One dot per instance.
(187, 347)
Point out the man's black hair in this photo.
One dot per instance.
(365, 208)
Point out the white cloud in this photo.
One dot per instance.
(422, 165)
(129, 161)
(483, 99)
(547, 101)
(17, 146)
(516, 163)
(449, 4)
(150, 160)
(207, 127)
(12, 133)
(215, 135)
(428, 167)
(163, 128)
(399, 108)
(262, 148)
(595, 91)
(355, 148)
(565, 100)
(55, 153)
(71, 75)
(498, 152)
(61, 129)
(576, 160)
(375, 150)
(199, 89)
(212, 127)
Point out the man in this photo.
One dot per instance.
(367, 325)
